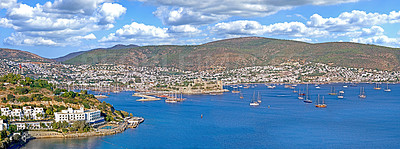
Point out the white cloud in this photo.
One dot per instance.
(21, 39)
(180, 12)
(373, 31)
(7, 3)
(63, 19)
(109, 12)
(242, 27)
(78, 38)
(303, 39)
(184, 30)
(5, 23)
(136, 32)
(182, 16)
(351, 21)
(86, 7)
(245, 27)
(295, 29)
(380, 40)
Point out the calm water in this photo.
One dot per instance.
(229, 122)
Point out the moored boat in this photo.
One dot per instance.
(319, 105)
(387, 88)
(362, 93)
(332, 91)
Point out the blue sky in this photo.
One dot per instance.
(57, 27)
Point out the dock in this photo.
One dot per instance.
(145, 97)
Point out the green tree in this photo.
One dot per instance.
(12, 128)
(49, 111)
(10, 97)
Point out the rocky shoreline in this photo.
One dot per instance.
(97, 132)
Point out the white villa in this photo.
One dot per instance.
(26, 112)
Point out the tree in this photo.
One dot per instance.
(12, 128)
(3, 134)
(42, 125)
(49, 111)
(10, 97)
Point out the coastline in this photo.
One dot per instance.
(98, 132)
(42, 134)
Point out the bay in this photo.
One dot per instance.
(229, 122)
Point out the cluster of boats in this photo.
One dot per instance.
(304, 96)
(172, 98)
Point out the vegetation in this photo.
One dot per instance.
(29, 92)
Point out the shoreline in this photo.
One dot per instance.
(42, 134)
(53, 134)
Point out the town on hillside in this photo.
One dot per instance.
(104, 78)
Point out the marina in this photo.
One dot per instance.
(226, 121)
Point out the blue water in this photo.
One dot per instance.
(107, 127)
(229, 122)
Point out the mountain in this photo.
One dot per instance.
(21, 56)
(246, 51)
(75, 54)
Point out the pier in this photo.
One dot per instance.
(145, 97)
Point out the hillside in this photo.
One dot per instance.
(17, 91)
(248, 51)
(21, 56)
(75, 54)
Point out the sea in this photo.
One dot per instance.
(280, 121)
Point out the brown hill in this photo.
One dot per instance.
(21, 56)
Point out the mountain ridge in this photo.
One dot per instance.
(75, 54)
(247, 51)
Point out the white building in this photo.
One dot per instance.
(26, 111)
(32, 125)
(17, 113)
(5, 111)
(90, 116)
(36, 112)
(3, 125)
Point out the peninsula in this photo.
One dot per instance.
(37, 109)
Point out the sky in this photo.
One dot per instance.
(57, 27)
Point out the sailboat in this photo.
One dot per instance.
(387, 88)
(362, 93)
(318, 105)
(307, 96)
(259, 98)
(300, 95)
(332, 91)
(340, 96)
(271, 86)
(172, 99)
(235, 91)
(253, 101)
(377, 87)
